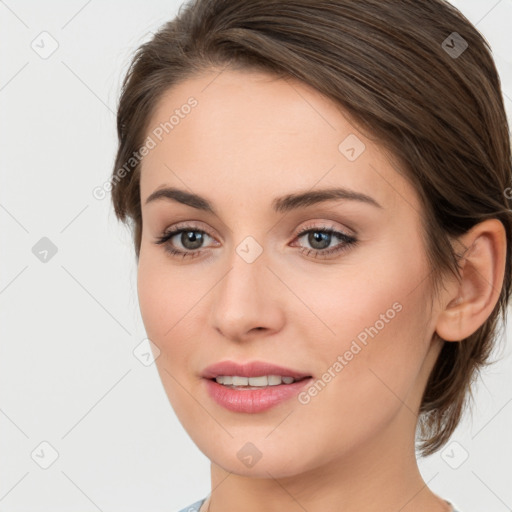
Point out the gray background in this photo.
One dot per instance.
(68, 374)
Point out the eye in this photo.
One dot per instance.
(320, 239)
(190, 237)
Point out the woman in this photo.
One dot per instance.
(318, 198)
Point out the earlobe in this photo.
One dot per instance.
(471, 301)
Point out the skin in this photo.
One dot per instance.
(251, 138)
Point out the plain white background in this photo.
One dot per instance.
(68, 376)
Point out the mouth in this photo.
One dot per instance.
(252, 387)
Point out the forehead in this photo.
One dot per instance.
(257, 134)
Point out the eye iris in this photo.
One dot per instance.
(195, 237)
(316, 236)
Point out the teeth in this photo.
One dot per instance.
(258, 381)
(274, 380)
(263, 381)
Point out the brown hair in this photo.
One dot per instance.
(396, 68)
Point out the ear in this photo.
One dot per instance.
(469, 302)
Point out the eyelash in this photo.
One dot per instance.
(346, 241)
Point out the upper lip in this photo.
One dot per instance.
(250, 369)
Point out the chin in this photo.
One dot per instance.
(257, 458)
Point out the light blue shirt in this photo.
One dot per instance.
(194, 507)
(197, 505)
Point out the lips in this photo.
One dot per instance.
(250, 369)
(252, 400)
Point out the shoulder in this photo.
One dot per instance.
(194, 507)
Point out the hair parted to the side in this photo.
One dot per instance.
(440, 118)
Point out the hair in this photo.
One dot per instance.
(387, 65)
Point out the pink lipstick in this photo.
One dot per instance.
(252, 387)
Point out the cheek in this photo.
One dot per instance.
(377, 343)
(165, 294)
(166, 301)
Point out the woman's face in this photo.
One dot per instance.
(355, 316)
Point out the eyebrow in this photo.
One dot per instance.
(281, 204)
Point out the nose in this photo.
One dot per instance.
(247, 300)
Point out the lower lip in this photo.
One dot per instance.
(253, 400)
